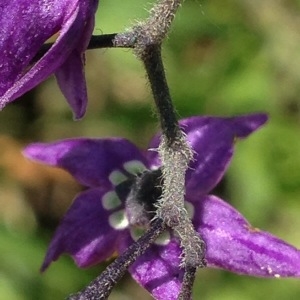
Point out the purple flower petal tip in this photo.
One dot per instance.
(25, 26)
(213, 140)
(93, 162)
(233, 244)
(157, 271)
(247, 124)
(86, 232)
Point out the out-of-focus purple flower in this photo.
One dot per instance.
(25, 25)
(103, 219)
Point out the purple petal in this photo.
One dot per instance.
(93, 162)
(213, 140)
(71, 80)
(233, 244)
(158, 269)
(26, 29)
(70, 76)
(85, 231)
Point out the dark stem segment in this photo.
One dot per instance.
(102, 41)
(187, 284)
(112, 40)
(101, 287)
(156, 74)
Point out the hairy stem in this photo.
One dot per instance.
(187, 284)
(153, 30)
(175, 154)
(101, 287)
(156, 74)
(175, 158)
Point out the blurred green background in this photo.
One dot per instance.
(223, 57)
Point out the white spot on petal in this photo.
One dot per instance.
(134, 167)
(118, 220)
(190, 209)
(137, 232)
(110, 200)
(163, 239)
(117, 177)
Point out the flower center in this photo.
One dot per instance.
(141, 192)
(140, 189)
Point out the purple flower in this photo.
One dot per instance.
(25, 25)
(103, 220)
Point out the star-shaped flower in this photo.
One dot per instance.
(25, 25)
(123, 182)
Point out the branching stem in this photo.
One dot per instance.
(101, 287)
(174, 151)
(187, 284)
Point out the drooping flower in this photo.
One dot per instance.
(103, 219)
(25, 25)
